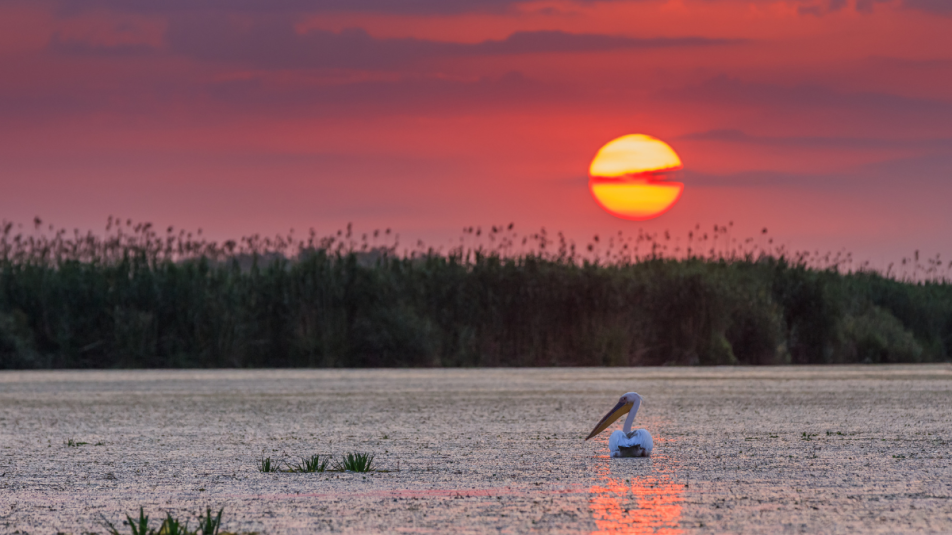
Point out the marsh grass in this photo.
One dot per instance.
(207, 524)
(174, 526)
(355, 462)
(70, 443)
(350, 462)
(314, 463)
(138, 526)
(138, 298)
(267, 465)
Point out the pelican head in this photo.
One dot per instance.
(625, 404)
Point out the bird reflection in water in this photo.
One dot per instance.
(642, 506)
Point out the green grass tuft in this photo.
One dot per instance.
(355, 462)
(267, 465)
(173, 526)
(74, 444)
(139, 526)
(208, 524)
(314, 463)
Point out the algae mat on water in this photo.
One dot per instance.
(795, 449)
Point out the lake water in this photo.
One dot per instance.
(792, 449)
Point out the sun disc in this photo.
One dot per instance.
(636, 200)
(633, 154)
(628, 177)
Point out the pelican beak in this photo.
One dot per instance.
(617, 412)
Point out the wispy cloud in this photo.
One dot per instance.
(739, 136)
(933, 6)
(421, 7)
(413, 95)
(884, 109)
(272, 42)
(287, 6)
(930, 172)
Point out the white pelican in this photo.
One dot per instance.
(626, 443)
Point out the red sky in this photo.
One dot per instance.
(827, 121)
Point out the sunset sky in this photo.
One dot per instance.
(829, 122)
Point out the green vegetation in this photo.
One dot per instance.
(267, 465)
(207, 525)
(351, 462)
(314, 463)
(138, 526)
(137, 299)
(70, 443)
(355, 462)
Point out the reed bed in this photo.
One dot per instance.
(135, 298)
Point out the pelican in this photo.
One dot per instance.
(625, 443)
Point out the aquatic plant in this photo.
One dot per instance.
(267, 465)
(207, 524)
(173, 526)
(138, 526)
(355, 462)
(314, 463)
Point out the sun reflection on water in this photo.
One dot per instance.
(646, 504)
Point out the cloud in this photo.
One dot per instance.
(61, 44)
(406, 7)
(275, 44)
(263, 96)
(738, 136)
(725, 89)
(883, 108)
(563, 42)
(419, 95)
(932, 6)
(286, 6)
(747, 179)
(818, 8)
(925, 172)
(822, 8)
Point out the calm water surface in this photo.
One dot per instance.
(816, 450)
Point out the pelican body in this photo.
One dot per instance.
(625, 443)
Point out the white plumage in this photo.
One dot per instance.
(636, 443)
(626, 443)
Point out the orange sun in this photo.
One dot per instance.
(628, 177)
